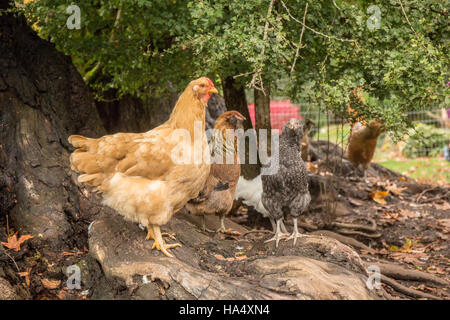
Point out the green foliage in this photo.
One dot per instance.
(426, 140)
(401, 66)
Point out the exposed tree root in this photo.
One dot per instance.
(423, 192)
(440, 197)
(343, 228)
(346, 240)
(307, 226)
(401, 273)
(359, 233)
(372, 227)
(405, 290)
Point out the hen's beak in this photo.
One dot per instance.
(213, 90)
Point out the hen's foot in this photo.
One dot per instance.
(295, 234)
(159, 243)
(167, 246)
(150, 235)
(278, 234)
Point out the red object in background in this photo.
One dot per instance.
(280, 113)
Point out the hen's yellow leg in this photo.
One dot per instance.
(159, 242)
(151, 236)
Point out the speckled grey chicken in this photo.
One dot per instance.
(286, 191)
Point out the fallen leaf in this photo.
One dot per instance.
(14, 243)
(408, 257)
(407, 245)
(395, 190)
(406, 214)
(26, 275)
(378, 196)
(50, 284)
(219, 257)
(231, 232)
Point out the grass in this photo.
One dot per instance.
(426, 170)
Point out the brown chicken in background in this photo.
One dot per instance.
(140, 174)
(218, 194)
(363, 136)
(362, 143)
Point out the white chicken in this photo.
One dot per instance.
(250, 191)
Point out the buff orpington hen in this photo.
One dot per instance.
(218, 194)
(149, 176)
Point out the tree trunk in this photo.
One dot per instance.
(262, 113)
(42, 101)
(235, 99)
(130, 114)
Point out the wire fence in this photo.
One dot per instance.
(430, 139)
(332, 128)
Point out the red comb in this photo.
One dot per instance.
(210, 82)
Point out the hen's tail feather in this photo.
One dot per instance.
(84, 162)
(81, 142)
(87, 161)
(92, 179)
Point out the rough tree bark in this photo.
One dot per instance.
(130, 114)
(262, 113)
(42, 101)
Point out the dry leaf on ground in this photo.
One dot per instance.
(406, 214)
(407, 245)
(50, 284)
(395, 190)
(14, 243)
(26, 275)
(378, 196)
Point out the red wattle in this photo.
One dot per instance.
(206, 97)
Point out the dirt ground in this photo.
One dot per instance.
(412, 230)
(413, 226)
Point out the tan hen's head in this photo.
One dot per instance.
(203, 88)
